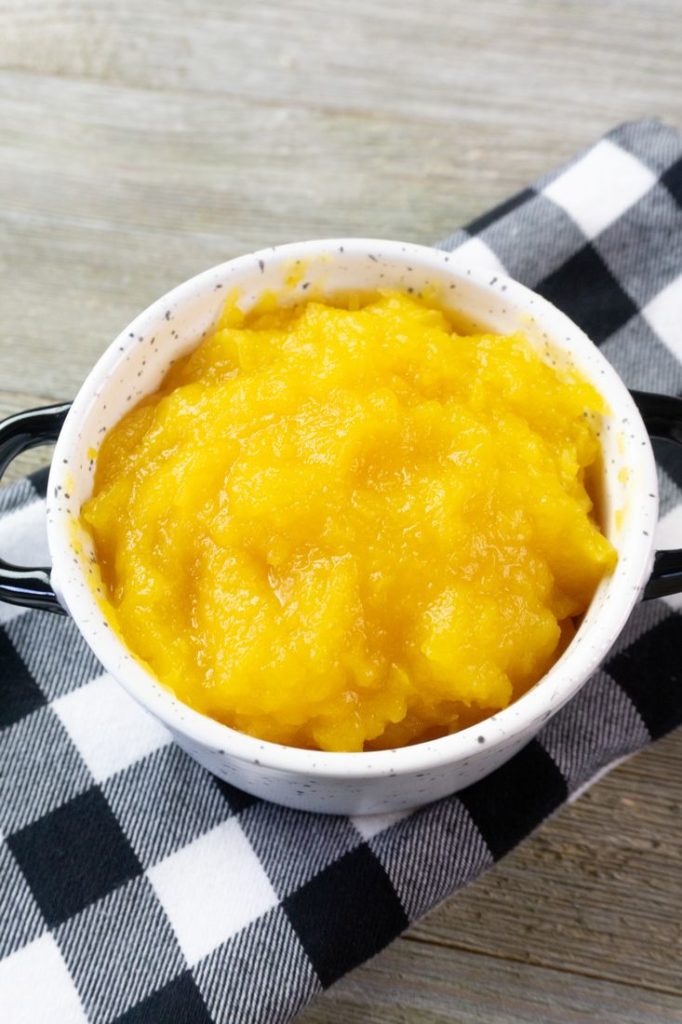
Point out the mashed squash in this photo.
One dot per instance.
(351, 528)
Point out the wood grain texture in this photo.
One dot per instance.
(140, 143)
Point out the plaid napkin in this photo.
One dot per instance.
(134, 887)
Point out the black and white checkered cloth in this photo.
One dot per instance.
(134, 887)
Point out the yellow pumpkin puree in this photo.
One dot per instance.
(351, 528)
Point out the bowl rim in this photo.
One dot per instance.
(528, 712)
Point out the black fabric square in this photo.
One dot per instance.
(514, 799)
(650, 672)
(586, 290)
(178, 1002)
(19, 692)
(491, 216)
(346, 914)
(668, 455)
(39, 481)
(651, 225)
(535, 241)
(73, 856)
(43, 770)
(56, 654)
(672, 179)
(236, 798)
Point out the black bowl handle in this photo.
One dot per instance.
(662, 415)
(29, 587)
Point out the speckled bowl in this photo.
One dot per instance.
(390, 780)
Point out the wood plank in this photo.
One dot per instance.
(125, 190)
(110, 211)
(416, 983)
(541, 70)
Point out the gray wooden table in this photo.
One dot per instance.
(142, 142)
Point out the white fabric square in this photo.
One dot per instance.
(212, 888)
(108, 728)
(669, 535)
(664, 316)
(23, 535)
(36, 986)
(599, 188)
(475, 254)
(369, 825)
(23, 540)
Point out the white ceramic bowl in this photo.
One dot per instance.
(391, 780)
